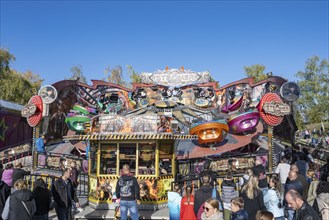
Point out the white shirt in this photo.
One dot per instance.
(283, 171)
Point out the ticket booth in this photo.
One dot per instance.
(151, 158)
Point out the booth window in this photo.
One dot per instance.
(93, 157)
(165, 158)
(128, 156)
(108, 159)
(146, 163)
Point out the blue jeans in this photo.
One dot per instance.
(291, 214)
(132, 206)
(279, 218)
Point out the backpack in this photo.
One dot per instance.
(324, 212)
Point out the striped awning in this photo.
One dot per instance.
(131, 136)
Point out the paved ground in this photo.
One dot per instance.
(90, 213)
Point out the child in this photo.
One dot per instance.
(229, 191)
(264, 215)
(238, 213)
(187, 205)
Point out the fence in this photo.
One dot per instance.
(193, 179)
(82, 190)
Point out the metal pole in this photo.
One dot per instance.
(270, 152)
(34, 152)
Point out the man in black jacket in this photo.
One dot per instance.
(4, 194)
(204, 193)
(303, 210)
(127, 192)
(292, 184)
(64, 194)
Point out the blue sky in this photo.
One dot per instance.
(49, 37)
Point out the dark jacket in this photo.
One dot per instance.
(202, 195)
(74, 177)
(42, 200)
(17, 209)
(4, 194)
(253, 205)
(19, 174)
(295, 185)
(305, 185)
(239, 215)
(260, 171)
(210, 173)
(61, 191)
(127, 188)
(306, 212)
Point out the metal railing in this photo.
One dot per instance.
(194, 179)
(82, 189)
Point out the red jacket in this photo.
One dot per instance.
(187, 209)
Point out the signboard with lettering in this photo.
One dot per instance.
(175, 77)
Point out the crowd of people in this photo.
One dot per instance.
(288, 193)
(18, 202)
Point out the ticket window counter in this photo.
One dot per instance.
(151, 161)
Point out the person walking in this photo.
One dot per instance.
(282, 170)
(7, 175)
(208, 171)
(260, 172)
(238, 212)
(292, 184)
(20, 205)
(264, 215)
(303, 210)
(74, 179)
(4, 194)
(64, 194)
(321, 203)
(187, 205)
(273, 198)
(42, 200)
(252, 197)
(19, 173)
(229, 192)
(301, 179)
(206, 191)
(127, 192)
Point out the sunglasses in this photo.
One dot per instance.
(206, 208)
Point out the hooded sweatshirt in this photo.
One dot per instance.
(127, 188)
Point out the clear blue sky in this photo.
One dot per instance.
(49, 37)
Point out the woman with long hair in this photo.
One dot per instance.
(42, 199)
(274, 197)
(21, 204)
(187, 204)
(252, 197)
